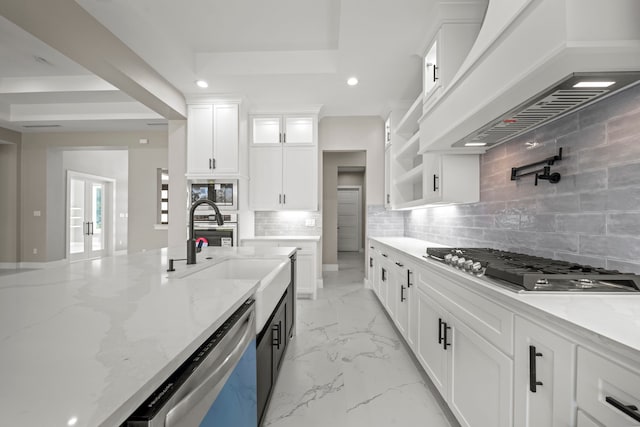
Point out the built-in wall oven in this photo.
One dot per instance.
(222, 192)
(207, 232)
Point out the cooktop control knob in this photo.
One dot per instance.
(468, 264)
(454, 260)
(476, 268)
(447, 258)
(460, 263)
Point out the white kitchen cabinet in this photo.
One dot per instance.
(212, 140)
(544, 377)
(585, 421)
(387, 177)
(283, 129)
(283, 163)
(451, 178)
(607, 390)
(430, 353)
(306, 260)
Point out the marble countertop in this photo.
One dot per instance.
(607, 318)
(86, 343)
(311, 238)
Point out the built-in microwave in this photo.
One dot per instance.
(223, 192)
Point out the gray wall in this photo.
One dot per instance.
(591, 216)
(9, 206)
(38, 156)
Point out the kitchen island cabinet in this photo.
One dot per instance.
(88, 342)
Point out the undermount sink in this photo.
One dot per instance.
(274, 276)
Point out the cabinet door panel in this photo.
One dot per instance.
(305, 268)
(225, 139)
(199, 139)
(266, 178)
(266, 130)
(300, 178)
(481, 380)
(265, 365)
(552, 361)
(298, 130)
(432, 356)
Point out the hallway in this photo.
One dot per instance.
(347, 366)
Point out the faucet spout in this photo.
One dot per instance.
(191, 243)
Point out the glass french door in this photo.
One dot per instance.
(88, 222)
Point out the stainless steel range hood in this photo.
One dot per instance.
(575, 92)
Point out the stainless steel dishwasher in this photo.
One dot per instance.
(216, 386)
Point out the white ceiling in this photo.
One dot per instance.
(272, 52)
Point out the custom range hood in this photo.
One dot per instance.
(575, 92)
(533, 62)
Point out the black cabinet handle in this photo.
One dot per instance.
(388, 198)
(384, 255)
(370, 262)
(399, 264)
(284, 137)
(280, 198)
(629, 410)
(402, 297)
(409, 273)
(210, 164)
(533, 382)
(90, 224)
(214, 163)
(444, 339)
(445, 342)
(284, 199)
(280, 137)
(440, 323)
(435, 182)
(435, 70)
(275, 335)
(384, 275)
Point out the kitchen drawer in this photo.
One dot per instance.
(603, 384)
(493, 322)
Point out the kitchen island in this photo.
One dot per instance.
(85, 344)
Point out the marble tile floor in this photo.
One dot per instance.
(347, 366)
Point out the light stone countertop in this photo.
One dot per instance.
(310, 238)
(610, 319)
(86, 343)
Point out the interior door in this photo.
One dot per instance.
(87, 217)
(348, 219)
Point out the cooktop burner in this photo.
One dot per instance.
(532, 273)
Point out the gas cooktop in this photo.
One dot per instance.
(521, 272)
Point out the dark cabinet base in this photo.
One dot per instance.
(272, 344)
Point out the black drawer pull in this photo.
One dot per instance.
(384, 255)
(533, 382)
(440, 323)
(275, 339)
(629, 410)
(384, 275)
(409, 273)
(402, 297)
(399, 264)
(370, 262)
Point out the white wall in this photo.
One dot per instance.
(339, 134)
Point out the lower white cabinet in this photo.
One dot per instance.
(544, 377)
(608, 391)
(473, 376)
(585, 421)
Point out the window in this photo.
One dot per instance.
(163, 196)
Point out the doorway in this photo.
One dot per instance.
(349, 213)
(89, 216)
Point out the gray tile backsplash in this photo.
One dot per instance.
(591, 216)
(384, 223)
(288, 223)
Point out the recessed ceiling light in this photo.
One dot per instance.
(475, 144)
(202, 83)
(594, 84)
(352, 81)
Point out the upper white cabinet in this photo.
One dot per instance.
(283, 129)
(212, 140)
(451, 178)
(283, 163)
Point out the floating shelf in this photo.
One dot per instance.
(410, 148)
(410, 177)
(408, 124)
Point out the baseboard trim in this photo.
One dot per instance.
(329, 267)
(9, 265)
(47, 264)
